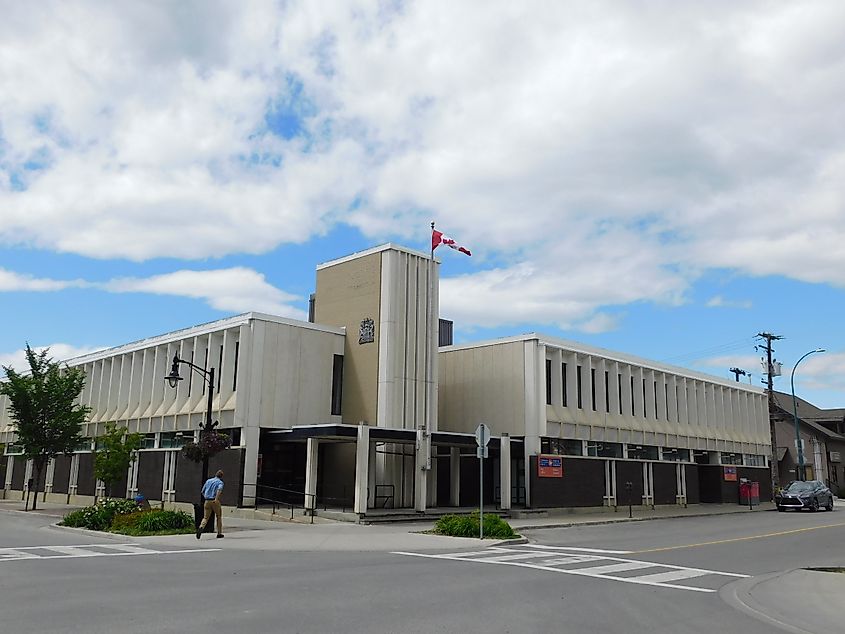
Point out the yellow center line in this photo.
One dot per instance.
(737, 539)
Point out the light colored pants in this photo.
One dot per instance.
(212, 506)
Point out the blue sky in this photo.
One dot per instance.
(663, 180)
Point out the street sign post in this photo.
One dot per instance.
(482, 438)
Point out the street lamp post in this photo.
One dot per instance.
(799, 475)
(208, 426)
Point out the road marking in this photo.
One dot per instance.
(78, 551)
(735, 539)
(603, 566)
(579, 550)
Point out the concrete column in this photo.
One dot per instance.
(311, 454)
(250, 438)
(362, 467)
(372, 468)
(505, 472)
(454, 475)
(421, 466)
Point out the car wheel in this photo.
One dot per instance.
(814, 505)
(781, 509)
(829, 506)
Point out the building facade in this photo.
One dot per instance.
(360, 408)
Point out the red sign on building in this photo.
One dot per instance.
(549, 466)
(730, 474)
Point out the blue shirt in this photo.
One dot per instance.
(211, 487)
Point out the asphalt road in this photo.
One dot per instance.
(664, 576)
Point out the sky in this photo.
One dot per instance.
(660, 178)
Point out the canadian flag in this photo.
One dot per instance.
(437, 238)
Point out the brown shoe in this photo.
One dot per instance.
(219, 536)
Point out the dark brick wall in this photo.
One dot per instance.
(85, 483)
(469, 481)
(18, 470)
(3, 462)
(627, 471)
(761, 475)
(117, 489)
(189, 474)
(444, 471)
(665, 483)
(693, 491)
(150, 474)
(61, 474)
(582, 484)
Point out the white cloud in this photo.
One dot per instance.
(603, 155)
(234, 290)
(11, 281)
(717, 301)
(58, 352)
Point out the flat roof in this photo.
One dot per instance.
(389, 246)
(610, 355)
(199, 329)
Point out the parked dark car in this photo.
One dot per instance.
(811, 494)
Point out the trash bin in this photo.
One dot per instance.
(749, 493)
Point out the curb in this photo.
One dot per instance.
(620, 520)
(90, 533)
(738, 596)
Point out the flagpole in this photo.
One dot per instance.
(428, 319)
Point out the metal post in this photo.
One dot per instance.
(799, 474)
(481, 495)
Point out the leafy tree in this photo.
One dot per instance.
(116, 451)
(45, 416)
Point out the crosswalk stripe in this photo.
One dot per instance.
(74, 551)
(516, 557)
(673, 575)
(622, 567)
(578, 550)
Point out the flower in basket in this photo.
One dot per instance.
(209, 445)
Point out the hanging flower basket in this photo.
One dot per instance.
(209, 445)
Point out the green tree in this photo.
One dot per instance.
(43, 407)
(115, 452)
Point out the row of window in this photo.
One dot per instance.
(579, 393)
(160, 440)
(568, 447)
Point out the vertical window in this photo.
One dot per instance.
(337, 384)
(563, 384)
(633, 413)
(548, 381)
(645, 407)
(666, 398)
(578, 381)
(190, 374)
(677, 406)
(619, 390)
(656, 408)
(235, 372)
(607, 391)
(593, 388)
(205, 367)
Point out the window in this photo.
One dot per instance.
(578, 381)
(607, 391)
(337, 384)
(548, 381)
(633, 412)
(731, 458)
(754, 460)
(656, 408)
(604, 449)
(666, 398)
(645, 407)
(14, 450)
(235, 371)
(148, 441)
(234, 435)
(619, 391)
(562, 447)
(563, 384)
(175, 439)
(205, 367)
(642, 452)
(593, 388)
(220, 368)
(84, 445)
(701, 457)
(676, 455)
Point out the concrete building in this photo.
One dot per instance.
(359, 409)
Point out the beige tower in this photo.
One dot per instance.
(387, 300)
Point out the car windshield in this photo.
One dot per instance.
(798, 487)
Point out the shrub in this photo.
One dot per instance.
(99, 516)
(467, 526)
(154, 521)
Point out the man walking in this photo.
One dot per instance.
(211, 491)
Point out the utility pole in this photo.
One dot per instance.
(769, 337)
(738, 373)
